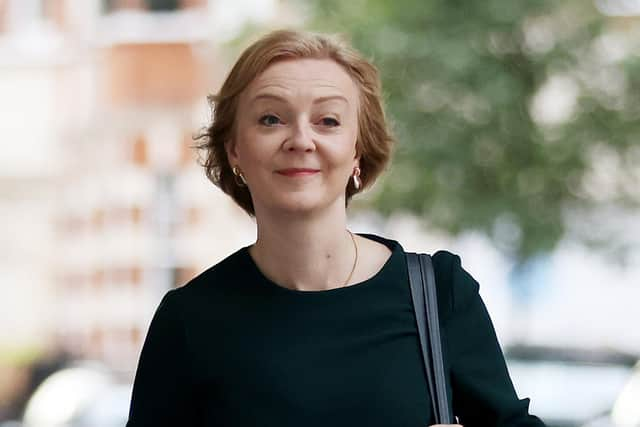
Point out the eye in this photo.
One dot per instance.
(269, 120)
(329, 121)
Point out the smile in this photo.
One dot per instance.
(294, 172)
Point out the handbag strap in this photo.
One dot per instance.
(425, 305)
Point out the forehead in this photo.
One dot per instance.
(313, 75)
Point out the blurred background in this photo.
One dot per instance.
(518, 127)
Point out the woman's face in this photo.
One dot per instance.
(295, 136)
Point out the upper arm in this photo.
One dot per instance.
(482, 391)
(163, 384)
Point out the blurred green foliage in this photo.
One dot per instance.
(480, 147)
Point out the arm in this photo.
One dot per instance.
(482, 391)
(162, 385)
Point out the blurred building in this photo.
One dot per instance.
(135, 214)
(30, 56)
(101, 189)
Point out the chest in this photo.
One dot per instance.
(317, 364)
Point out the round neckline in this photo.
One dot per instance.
(391, 244)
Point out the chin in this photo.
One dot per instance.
(299, 207)
(301, 204)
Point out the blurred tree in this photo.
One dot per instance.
(511, 116)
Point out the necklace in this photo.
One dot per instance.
(355, 261)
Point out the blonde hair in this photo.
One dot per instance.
(374, 141)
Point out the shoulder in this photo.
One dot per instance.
(213, 280)
(456, 288)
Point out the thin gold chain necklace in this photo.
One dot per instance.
(355, 261)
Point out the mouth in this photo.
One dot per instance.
(294, 172)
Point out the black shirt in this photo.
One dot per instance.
(233, 348)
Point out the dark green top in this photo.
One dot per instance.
(232, 348)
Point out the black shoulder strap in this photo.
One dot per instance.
(425, 305)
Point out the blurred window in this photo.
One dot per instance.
(152, 5)
(54, 10)
(162, 4)
(135, 335)
(3, 16)
(193, 3)
(136, 275)
(98, 278)
(111, 5)
(136, 215)
(98, 218)
(140, 154)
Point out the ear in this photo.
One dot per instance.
(232, 154)
(357, 155)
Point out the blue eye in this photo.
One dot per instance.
(269, 120)
(330, 121)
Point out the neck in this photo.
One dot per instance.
(304, 253)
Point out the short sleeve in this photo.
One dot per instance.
(162, 385)
(482, 391)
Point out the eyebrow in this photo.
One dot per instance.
(315, 101)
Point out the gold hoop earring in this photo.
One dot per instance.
(357, 183)
(238, 174)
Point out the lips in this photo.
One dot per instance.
(297, 171)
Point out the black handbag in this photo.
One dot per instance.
(425, 305)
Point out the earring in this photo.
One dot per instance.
(357, 183)
(242, 182)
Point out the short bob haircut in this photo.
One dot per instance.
(374, 142)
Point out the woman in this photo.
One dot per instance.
(311, 325)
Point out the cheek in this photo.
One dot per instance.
(345, 149)
(340, 163)
(251, 145)
(350, 142)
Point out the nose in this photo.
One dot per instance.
(300, 138)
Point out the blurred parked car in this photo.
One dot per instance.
(83, 395)
(569, 387)
(626, 410)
